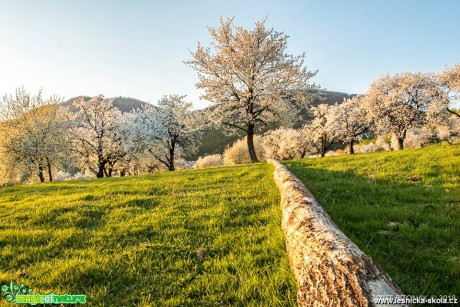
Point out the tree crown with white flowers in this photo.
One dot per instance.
(250, 79)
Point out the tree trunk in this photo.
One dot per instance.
(400, 136)
(303, 153)
(100, 171)
(40, 174)
(323, 146)
(109, 170)
(350, 147)
(400, 143)
(171, 167)
(123, 172)
(50, 173)
(250, 140)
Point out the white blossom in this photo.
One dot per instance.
(449, 81)
(398, 103)
(32, 138)
(94, 130)
(320, 127)
(208, 161)
(287, 143)
(348, 121)
(167, 130)
(249, 78)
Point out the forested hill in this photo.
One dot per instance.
(214, 140)
(125, 104)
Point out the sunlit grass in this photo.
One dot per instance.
(205, 237)
(411, 226)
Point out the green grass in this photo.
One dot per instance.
(135, 241)
(411, 228)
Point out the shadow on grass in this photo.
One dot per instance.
(208, 237)
(410, 229)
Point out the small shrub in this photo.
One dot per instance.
(287, 144)
(182, 164)
(208, 161)
(382, 144)
(371, 147)
(61, 176)
(81, 175)
(238, 153)
(331, 154)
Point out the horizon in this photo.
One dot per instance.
(81, 48)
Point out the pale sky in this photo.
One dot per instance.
(137, 48)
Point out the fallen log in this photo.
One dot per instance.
(329, 268)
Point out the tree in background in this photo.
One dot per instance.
(94, 131)
(249, 78)
(166, 130)
(32, 134)
(320, 127)
(398, 103)
(287, 143)
(449, 82)
(349, 121)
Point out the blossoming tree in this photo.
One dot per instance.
(398, 103)
(167, 130)
(31, 133)
(250, 79)
(348, 121)
(449, 81)
(94, 132)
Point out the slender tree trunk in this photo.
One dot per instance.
(250, 140)
(50, 173)
(101, 160)
(40, 174)
(171, 167)
(350, 147)
(323, 146)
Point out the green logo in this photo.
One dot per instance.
(21, 294)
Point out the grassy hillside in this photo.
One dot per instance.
(402, 208)
(205, 237)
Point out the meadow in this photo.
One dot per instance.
(402, 208)
(212, 236)
(204, 237)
